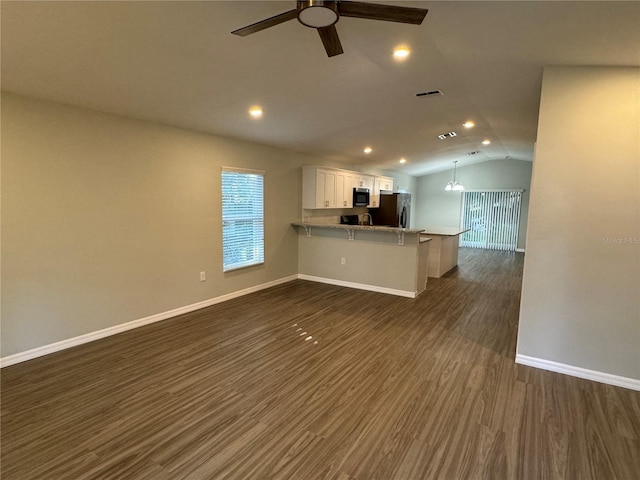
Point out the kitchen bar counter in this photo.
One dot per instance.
(369, 257)
(370, 228)
(351, 229)
(444, 231)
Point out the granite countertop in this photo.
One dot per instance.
(444, 231)
(370, 228)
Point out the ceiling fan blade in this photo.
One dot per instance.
(388, 13)
(269, 22)
(330, 40)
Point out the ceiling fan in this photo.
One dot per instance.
(323, 15)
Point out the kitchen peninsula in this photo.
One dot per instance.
(443, 250)
(382, 259)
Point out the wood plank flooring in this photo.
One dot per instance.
(394, 388)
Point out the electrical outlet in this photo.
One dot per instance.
(343, 261)
(203, 276)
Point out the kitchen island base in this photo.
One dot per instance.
(443, 250)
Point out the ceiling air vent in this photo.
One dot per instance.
(430, 93)
(476, 152)
(444, 136)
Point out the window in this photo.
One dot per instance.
(242, 218)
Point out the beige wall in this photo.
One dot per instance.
(439, 208)
(581, 287)
(106, 219)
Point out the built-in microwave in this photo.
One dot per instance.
(360, 197)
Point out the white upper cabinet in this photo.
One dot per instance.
(379, 184)
(361, 180)
(333, 188)
(325, 189)
(318, 188)
(383, 183)
(344, 189)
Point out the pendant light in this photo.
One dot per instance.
(453, 185)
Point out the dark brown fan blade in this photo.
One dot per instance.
(388, 13)
(330, 40)
(269, 22)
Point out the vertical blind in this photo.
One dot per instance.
(493, 218)
(242, 218)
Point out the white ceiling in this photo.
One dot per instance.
(177, 63)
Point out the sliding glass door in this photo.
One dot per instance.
(493, 218)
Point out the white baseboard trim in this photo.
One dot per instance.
(609, 379)
(359, 286)
(123, 327)
(520, 250)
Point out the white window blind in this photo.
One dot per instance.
(242, 218)
(493, 218)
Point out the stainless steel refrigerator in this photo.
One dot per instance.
(394, 210)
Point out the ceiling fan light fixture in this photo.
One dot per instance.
(323, 14)
(317, 14)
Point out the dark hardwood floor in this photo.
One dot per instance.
(386, 388)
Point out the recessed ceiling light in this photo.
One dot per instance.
(469, 124)
(403, 160)
(255, 112)
(486, 141)
(401, 53)
(368, 150)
